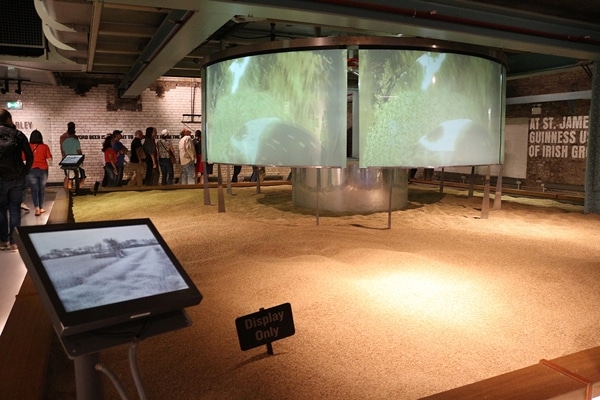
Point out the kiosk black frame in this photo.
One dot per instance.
(85, 329)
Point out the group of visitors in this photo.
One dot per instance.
(154, 157)
(150, 157)
(25, 162)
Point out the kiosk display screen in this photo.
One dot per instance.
(98, 274)
(72, 160)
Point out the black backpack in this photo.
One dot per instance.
(11, 163)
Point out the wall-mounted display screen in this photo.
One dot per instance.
(98, 274)
(284, 109)
(423, 108)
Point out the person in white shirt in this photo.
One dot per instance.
(187, 157)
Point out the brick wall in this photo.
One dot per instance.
(553, 163)
(163, 105)
(99, 112)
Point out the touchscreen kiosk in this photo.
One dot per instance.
(72, 160)
(96, 275)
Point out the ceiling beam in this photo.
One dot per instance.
(93, 36)
(451, 20)
(189, 36)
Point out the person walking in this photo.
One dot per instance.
(110, 163)
(70, 131)
(121, 152)
(71, 146)
(165, 149)
(187, 157)
(151, 161)
(13, 172)
(38, 175)
(236, 171)
(137, 158)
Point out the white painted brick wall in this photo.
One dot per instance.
(50, 108)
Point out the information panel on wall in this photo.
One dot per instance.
(283, 109)
(424, 108)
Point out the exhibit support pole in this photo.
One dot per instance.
(228, 175)
(471, 182)
(206, 187)
(485, 203)
(220, 194)
(88, 382)
(318, 191)
(390, 199)
(257, 180)
(498, 196)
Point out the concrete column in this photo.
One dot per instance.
(592, 170)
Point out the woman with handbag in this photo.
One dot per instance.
(166, 158)
(38, 174)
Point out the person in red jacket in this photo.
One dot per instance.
(38, 174)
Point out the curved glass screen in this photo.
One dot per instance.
(285, 109)
(422, 108)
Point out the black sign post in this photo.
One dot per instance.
(265, 326)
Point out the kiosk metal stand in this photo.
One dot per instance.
(88, 385)
(85, 348)
(71, 164)
(75, 179)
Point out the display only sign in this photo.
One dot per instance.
(265, 326)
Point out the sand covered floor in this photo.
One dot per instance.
(442, 299)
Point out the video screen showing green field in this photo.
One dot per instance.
(429, 109)
(284, 109)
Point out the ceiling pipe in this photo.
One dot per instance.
(435, 15)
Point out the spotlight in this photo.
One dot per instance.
(4, 90)
(18, 89)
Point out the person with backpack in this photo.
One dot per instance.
(187, 157)
(166, 154)
(137, 159)
(13, 177)
(149, 146)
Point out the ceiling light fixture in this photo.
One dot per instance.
(18, 89)
(4, 90)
